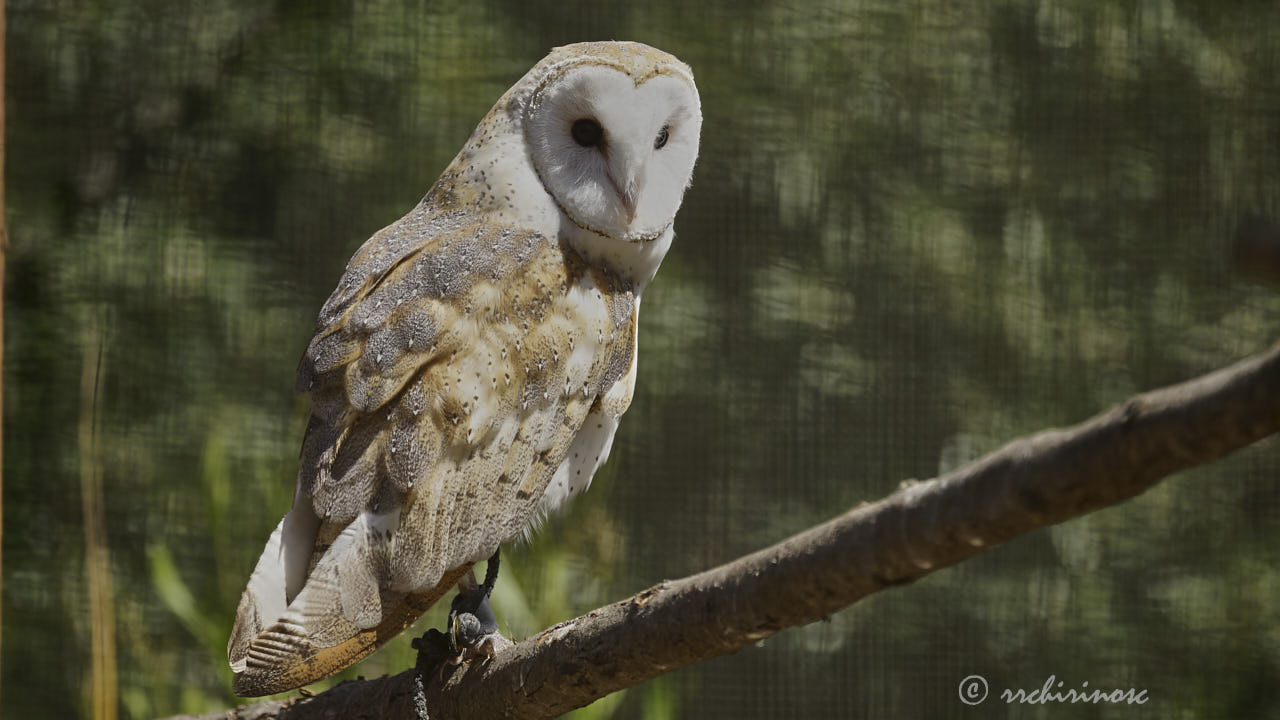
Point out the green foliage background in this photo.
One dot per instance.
(917, 230)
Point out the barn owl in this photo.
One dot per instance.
(469, 371)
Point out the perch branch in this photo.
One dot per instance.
(1031, 483)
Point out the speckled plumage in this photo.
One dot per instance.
(470, 368)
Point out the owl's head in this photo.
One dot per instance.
(613, 135)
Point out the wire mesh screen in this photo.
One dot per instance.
(917, 230)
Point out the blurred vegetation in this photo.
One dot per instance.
(917, 230)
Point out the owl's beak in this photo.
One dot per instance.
(627, 178)
(629, 197)
(628, 194)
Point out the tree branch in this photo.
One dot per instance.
(1031, 483)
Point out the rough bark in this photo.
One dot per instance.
(1031, 483)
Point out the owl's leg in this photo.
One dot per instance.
(473, 628)
(472, 631)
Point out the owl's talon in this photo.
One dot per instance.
(467, 630)
(472, 627)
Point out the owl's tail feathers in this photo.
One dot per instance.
(282, 640)
(276, 580)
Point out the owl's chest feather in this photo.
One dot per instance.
(590, 447)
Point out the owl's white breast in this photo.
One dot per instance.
(590, 447)
(497, 165)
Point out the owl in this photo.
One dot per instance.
(469, 372)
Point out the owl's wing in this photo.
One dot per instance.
(449, 376)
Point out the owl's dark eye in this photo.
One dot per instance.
(587, 132)
(663, 135)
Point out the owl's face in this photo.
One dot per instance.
(616, 151)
